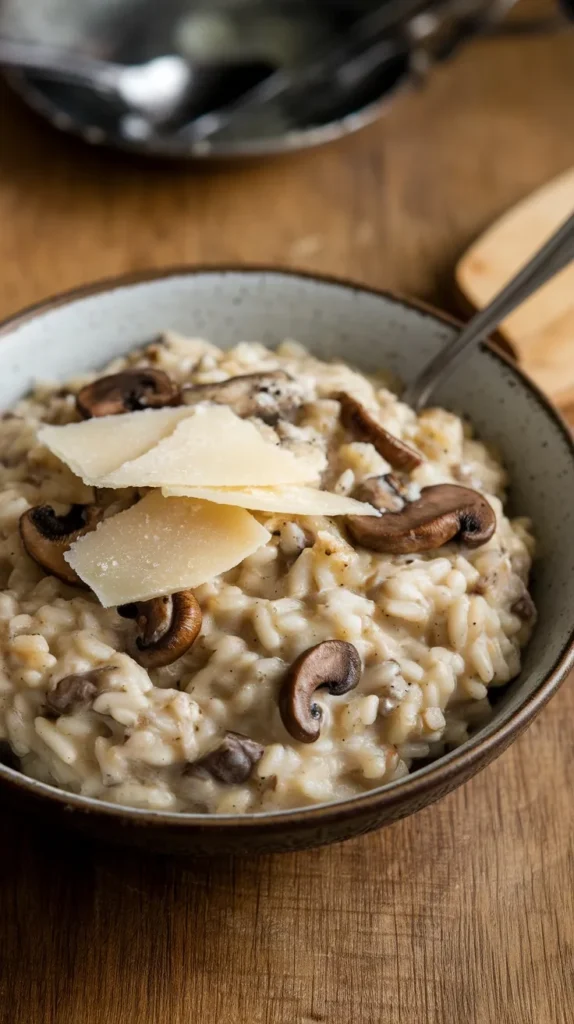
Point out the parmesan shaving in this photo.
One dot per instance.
(299, 501)
(215, 448)
(163, 545)
(94, 448)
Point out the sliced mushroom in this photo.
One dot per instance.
(442, 512)
(74, 693)
(232, 762)
(128, 391)
(365, 427)
(384, 492)
(47, 536)
(335, 664)
(524, 608)
(168, 626)
(266, 395)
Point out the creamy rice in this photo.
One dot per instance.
(435, 631)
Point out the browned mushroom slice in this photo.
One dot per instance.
(47, 536)
(524, 608)
(266, 395)
(232, 762)
(128, 391)
(335, 664)
(365, 427)
(168, 626)
(74, 693)
(442, 513)
(384, 492)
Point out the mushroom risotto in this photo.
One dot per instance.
(321, 655)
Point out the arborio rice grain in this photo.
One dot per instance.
(434, 631)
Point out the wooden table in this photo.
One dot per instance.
(464, 913)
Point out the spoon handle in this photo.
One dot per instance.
(557, 252)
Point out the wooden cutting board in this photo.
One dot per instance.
(542, 330)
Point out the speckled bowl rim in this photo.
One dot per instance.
(430, 778)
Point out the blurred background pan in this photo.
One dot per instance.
(254, 38)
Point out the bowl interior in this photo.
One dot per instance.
(370, 330)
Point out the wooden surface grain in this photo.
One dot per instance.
(463, 913)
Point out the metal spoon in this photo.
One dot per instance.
(557, 252)
(156, 90)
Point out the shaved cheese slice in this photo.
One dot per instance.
(299, 501)
(215, 448)
(162, 545)
(96, 447)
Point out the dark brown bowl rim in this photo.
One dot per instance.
(419, 784)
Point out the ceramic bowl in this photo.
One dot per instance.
(90, 326)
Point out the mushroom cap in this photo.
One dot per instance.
(442, 513)
(333, 663)
(266, 395)
(74, 693)
(46, 536)
(167, 625)
(231, 762)
(524, 608)
(128, 391)
(356, 418)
